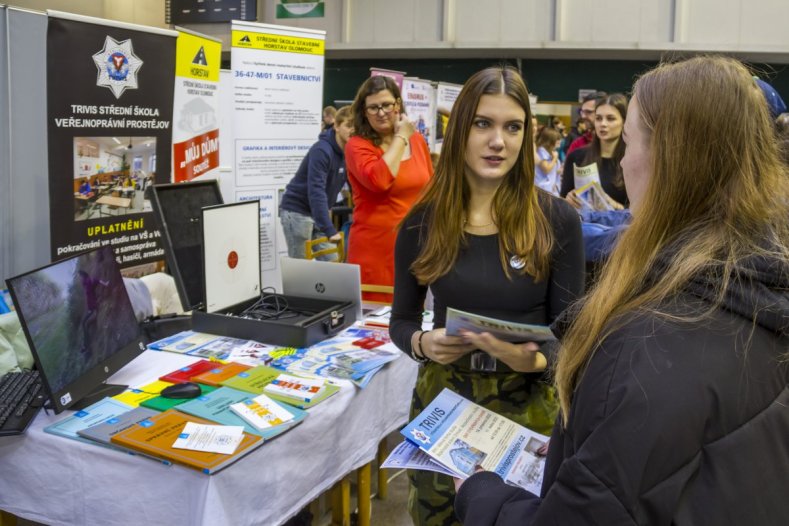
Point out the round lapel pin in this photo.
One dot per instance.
(517, 262)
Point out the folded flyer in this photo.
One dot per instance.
(210, 438)
(298, 388)
(262, 412)
(407, 455)
(509, 331)
(461, 435)
(593, 198)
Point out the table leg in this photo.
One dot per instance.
(383, 484)
(341, 503)
(363, 493)
(315, 509)
(7, 519)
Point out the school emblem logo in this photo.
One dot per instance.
(420, 436)
(117, 65)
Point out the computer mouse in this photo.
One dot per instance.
(184, 390)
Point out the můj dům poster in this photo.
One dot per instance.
(196, 111)
(109, 116)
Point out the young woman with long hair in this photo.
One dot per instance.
(673, 376)
(485, 240)
(604, 153)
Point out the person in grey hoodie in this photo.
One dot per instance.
(304, 210)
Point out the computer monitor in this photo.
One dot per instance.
(80, 326)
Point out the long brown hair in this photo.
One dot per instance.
(369, 87)
(523, 228)
(711, 201)
(593, 154)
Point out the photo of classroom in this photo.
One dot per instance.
(111, 175)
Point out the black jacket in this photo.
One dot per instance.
(673, 422)
(314, 188)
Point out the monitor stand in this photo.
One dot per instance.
(97, 394)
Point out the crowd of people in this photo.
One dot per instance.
(665, 392)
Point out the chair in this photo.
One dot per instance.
(338, 248)
(377, 294)
(383, 289)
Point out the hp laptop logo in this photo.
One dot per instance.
(320, 288)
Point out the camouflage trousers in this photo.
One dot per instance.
(520, 397)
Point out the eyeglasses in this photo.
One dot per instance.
(386, 107)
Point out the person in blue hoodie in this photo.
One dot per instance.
(304, 210)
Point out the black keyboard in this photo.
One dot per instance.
(21, 396)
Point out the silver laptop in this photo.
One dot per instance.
(310, 278)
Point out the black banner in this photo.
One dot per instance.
(110, 108)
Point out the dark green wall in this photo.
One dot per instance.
(551, 80)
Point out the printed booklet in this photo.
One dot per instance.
(508, 331)
(460, 435)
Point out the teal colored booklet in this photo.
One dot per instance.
(97, 413)
(215, 406)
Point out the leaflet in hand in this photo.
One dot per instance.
(593, 198)
(407, 455)
(262, 412)
(509, 331)
(461, 435)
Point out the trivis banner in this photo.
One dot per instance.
(196, 107)
(277, 98)
(109, 112)
(419, 102)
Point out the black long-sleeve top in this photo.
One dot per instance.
(477, 283)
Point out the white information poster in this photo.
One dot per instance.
(196, 107)
(277, 75)
(269, 242)
(445, 99)
(419, 100)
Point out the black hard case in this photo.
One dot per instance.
(178, 210)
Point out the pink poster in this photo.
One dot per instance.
(396, 75)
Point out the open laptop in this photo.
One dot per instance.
(310, 278)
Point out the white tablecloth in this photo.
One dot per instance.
(55, 480)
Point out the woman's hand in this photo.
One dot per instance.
(573, 199)
(521, 357)
(403, 126)
(440, 348)
(459, 482)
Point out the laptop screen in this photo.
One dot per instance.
(322, 279)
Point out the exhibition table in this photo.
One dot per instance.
(54, 480)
